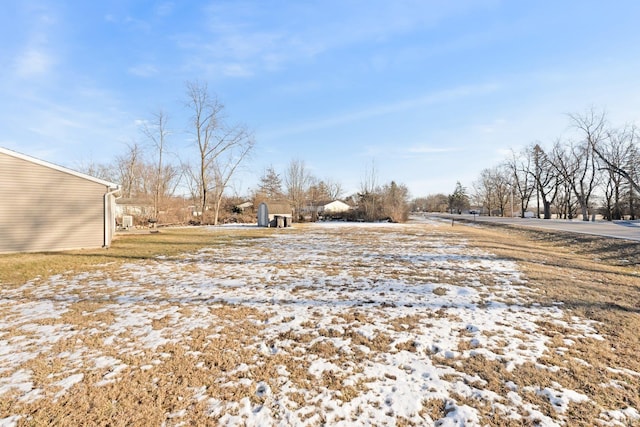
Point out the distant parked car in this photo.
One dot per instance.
(474, 212)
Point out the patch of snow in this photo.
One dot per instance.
(67, 383)
(11, 421)
(620, 417)
(561, 398)
(460, 295)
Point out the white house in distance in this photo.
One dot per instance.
(332, 208)
(326, 209)
(46, 207)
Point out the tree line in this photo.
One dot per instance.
(195, 185)
(597, 172)
(305, 193)
(152, 172)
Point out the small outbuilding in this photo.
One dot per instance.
(274, 214)
(46, 207)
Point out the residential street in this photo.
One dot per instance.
(629, 230)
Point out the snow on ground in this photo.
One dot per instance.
(377, 316)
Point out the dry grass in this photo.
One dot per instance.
(221, 359)
(585, 274)
(16, 269)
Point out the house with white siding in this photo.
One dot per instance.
(333, 207)
(326, 209)
(46, 207)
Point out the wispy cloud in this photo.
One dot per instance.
(384, 109)
(33, 61)
(143, 70)
(428, 149)
(259, 38)
(36, 56)
(493, 127)
(236, 70)
(164, 8)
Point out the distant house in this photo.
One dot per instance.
(243, 206)
(141, 208)
(334, 207)
(326, 209)
(45, 207)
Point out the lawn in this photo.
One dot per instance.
(323, 324)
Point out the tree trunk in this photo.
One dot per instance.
(547, 208)
(584, 211)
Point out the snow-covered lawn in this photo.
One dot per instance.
(343, 324)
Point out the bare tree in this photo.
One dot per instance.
(493, 189)
(129, 172)
(566, 167)
(239, 144)
(545, 176)
(320, 192)
(617, 151)
(593, 125)
(483, 190)
(332, 188)
(395, 202)
(315, 195)
(583, 181)
(221, 148)
(162, 173)
(435, 203)
(297, 180)
(520, 167)
(369, 202)
(98, 170)
(578, 169)
(191, 179)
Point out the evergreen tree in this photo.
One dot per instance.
(271, 184)
(459, 200)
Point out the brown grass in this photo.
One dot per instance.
(16, 269)
(584, 274)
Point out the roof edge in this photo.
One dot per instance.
(110, 185)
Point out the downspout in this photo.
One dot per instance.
(109, 228)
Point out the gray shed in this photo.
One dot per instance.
(275, 214)
(46, 207)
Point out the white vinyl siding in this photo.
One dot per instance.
(44, 209)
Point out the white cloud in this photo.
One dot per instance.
(373, 111)
(143, 70)
(492, 127)
(237, 70)
(235, 31)
(36, 56)
(427, 149)
(164, 8)
(33, 62)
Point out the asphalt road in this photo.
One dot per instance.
(629, 230)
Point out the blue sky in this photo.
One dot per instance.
(430, 92)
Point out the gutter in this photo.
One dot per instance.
(109, 217)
